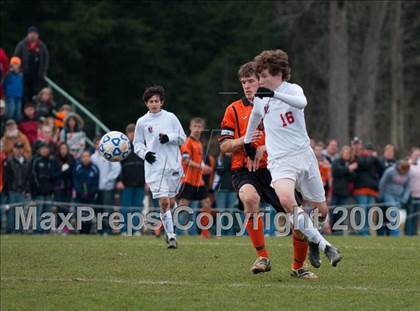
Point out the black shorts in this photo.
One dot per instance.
(192, 193)
(261, 180)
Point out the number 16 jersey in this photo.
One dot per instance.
(284, 125)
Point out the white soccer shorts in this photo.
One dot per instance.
(304, 170)
(167, 187)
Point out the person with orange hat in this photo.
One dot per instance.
(13, 89)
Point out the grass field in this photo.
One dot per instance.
(139, 273)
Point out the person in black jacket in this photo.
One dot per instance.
(86, 184)
(17, 172)
(131, 182)
(43, 177)
(366, 181)
(64, 167)
(35, 59)
(63, 183)
(342, 172)
(226, 197)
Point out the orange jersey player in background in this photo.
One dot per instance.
(193, 187)
(252, 180)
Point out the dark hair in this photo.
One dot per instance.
(198, 120)
(275, 61)
(86, 151)
(63, 144)
(247, 70)
(152, 91)
(130, 128)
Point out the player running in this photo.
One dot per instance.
(193, 187)
(254, 186)
(157, 138)
(291, 161)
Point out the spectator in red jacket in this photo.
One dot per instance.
(29, 124)
(3, 117)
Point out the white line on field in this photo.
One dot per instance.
(158, 243)
(193, 284)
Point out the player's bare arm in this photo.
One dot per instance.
(232, 145)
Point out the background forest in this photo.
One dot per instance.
(358, 61)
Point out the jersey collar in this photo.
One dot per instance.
(246, 102)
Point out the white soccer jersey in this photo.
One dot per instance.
(168, 156)
(284, 121)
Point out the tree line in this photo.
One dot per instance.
(358, 61)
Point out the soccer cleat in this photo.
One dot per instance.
(172, 244)
(333, 255)
(262, 264)
(314, 255)
(303, 273)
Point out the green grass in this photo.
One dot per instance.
(139, 273)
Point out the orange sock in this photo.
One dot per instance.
(257, 235)
(204, 222)
(300, 249)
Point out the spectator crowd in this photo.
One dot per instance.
(44, 157)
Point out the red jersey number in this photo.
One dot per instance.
(287, 118)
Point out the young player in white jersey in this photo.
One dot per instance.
(291, 161)
(157, 139)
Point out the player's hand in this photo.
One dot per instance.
(163, 138)
(250, 151)
(256, 136)
(255, 165)
(206, 169)
(150, 157)
(264, 92)
(119, 185)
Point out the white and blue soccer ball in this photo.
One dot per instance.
(114, 146)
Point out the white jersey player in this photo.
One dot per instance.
(291, 160)
(157, 138)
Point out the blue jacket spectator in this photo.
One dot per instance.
(13, 89)
(86, 180)
(394, 190)
(395, 182)
(13, 85)
(86, 184)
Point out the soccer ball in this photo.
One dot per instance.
(114, 146)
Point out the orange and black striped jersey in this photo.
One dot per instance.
(234, 125)
(192, 150)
